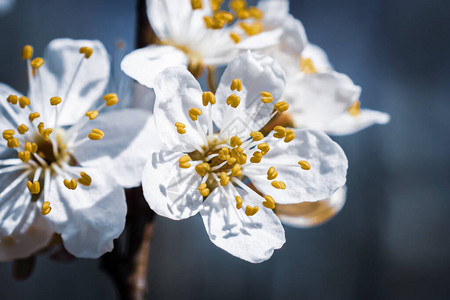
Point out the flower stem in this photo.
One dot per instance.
(212, 79)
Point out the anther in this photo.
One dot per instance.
(236, 84)
(354, 110)
(180, 127)
(45, 208)
(196, 4)
(111, 99)
(33, 116)
(12, 99)
(243, 14)
(202, 169)
(304, 165)
(31, 147)
(215, 4)
(24, 101)
(278, 185)
(13, 143)
(252, 28)
(233, 100)
(271, 173)
(27, 52)
(224, 153)
(46, 133)
(208, 97)
(8, 134)
(70, 184)
(55, 100)
(37, 62)
(22, 128)
(85, 179)
(92, 114)
(224, 179)
(194, 113)
(40, 128)
(183, 162)
(239, 202)
(236, 5)
(236, 170)
(307, 66)
(203, 189)
(96, 134)
(33, 187)
(256, 158)
(280, 132)
(256, 135)
(236, 37)
(255, 13)
(251, 210)
(281, 106)
(290, 135)
(269, 202)
(264, 147)
(24, 156)
(242, 159)
(235, 141)
(266, 97)
(87, 51)
(224, 16)
(231, 160)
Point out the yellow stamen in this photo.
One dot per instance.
(233, 100)
(269, 202)
(242, 159)
(208, 97)
(235, 141)
(180, 127)
(31, 147)
(281, 106)
(213, 23)
(92, 114)
(290, 135)
(37, 62)
(236, 37)
(27, 52)
(256, 158)
(33, 116)
(96, 134)
(252, 28)
(202, 169)
(236, 170)
(264, 147)
(224, 179)
(203, 189)
(22, 128)
(183, 162)
(231, 160)
(251, 210)
(45, 208)
(13, 143)
(46, 133)
(304, 165)
(111, 99)
(236, 84)
(239, 202)
(24, 101)
(196, 4)
(354, 110)
(40, 128)
(278, 185)
(307, 66)
(224, 153)
(85, 179)
(55, 100)
(215, 4)
(12, 99)
(24, 156)
(280, 132)
(256, 135)
(33, 187)
(224, 16)
(271, 173)
(8, 134)
(242, 14)
(266, 97)
(236, 5)
(255, 13)
(87, 51)
(70, 184)
(194, 113)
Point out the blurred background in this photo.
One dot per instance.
(391, 240)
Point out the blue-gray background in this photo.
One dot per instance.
(392, 239)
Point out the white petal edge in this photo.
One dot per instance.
(345, 123)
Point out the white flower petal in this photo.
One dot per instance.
(327, 174)
(177, 91)
(62, 58)
(263, 40)
(252, 238)
(169, 190)
(318, 56)
(130, 136)
(88, 218)
(10, 113)
(257, 73)
(33, 235)
(145, 64)
(309, 214)
(348, 124)
(316, 99)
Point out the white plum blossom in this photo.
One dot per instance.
(64, 160)
(196, 34)
(320, 98)
(216, 153)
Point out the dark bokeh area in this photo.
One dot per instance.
(391, 241)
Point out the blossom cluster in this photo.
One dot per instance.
(243, 152)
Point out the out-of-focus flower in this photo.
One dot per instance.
(208, 171)
(197, 34)
(320, 97)
(63, 162)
